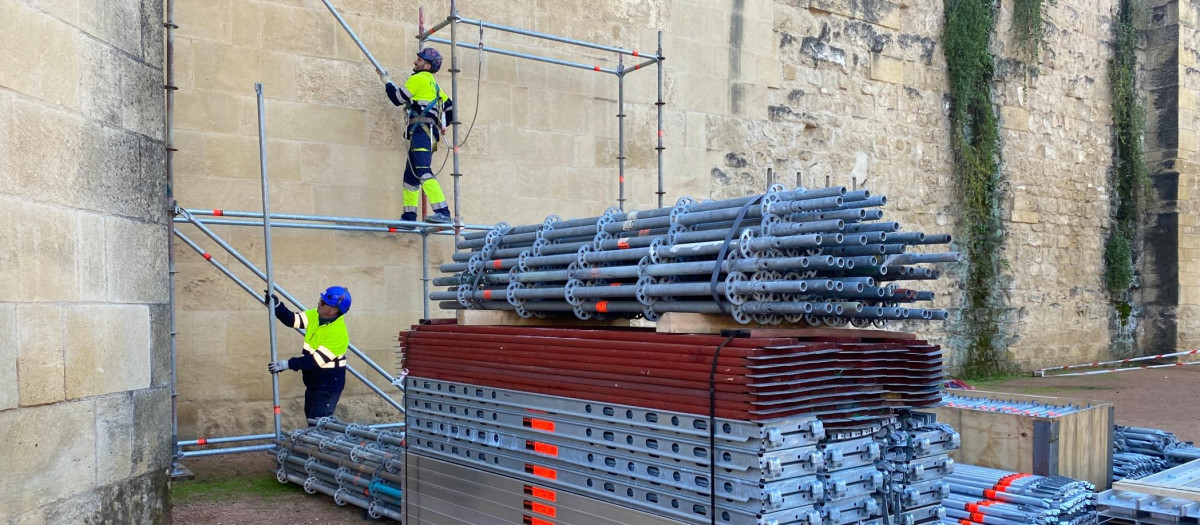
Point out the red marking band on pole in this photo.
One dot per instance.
(597, 68)
(614, 284)
(202, 441)
(538, 492)
(660, 132)
(487, 294)
(623, 244)
(391, 229)
(276, 409)
(637, 66)
(496, 264)
(538, 424)
(643, 233)
(622, 177)
(530, 520)
(541, 508)
(635, 52)
(602, 306)
(207, 256)
(218, 213)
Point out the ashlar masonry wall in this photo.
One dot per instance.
(820, 91)
(84, 359)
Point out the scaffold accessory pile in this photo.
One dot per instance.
(351, 463)
(824, 256)
(989, 496)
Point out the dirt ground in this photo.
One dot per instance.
(241, 488)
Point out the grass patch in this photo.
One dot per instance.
(245, 487)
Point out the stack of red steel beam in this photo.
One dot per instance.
(841, 376)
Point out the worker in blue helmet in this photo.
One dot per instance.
(323, 361)
(429, 111)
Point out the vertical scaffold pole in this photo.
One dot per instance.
(660, 105)
(177, 471)
(454, 125)
(266, 197)
(621, 131)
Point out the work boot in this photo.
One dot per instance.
(440, 217)
(407, 216)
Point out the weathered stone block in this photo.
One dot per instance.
(42, 151)
(116, 23)
(887, 69)
(208, 111)
(38, 254)
(142, 99)
(54, 463)
(386, 41)
(205, 19)
(151, 427)
(316, 123)
(137, 261)
(10, 352)
(160, 345)
(247, 24)
(31, 37)
(40, 354)
(236, 69)
(114, 437)
(298, 30)
(1014, 118)
(107, 350)
(142, 499)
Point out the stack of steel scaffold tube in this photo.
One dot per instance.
(822, 255)
(1131, 465)
(998, 497)
(683, 467)
(1009, 406)
(917, 464)
(351, 463)
(1154, 443)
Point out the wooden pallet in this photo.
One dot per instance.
(1182, 482)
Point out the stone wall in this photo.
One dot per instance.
(819, 91)
(84, 364)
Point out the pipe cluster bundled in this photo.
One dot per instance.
(1154, 443)
(1131, 465)
(821, 255)
(1009, 406)
(348, 462)
(917, 463)
(999, 497)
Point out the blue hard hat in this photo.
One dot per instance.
(432, 56)
(337, 296)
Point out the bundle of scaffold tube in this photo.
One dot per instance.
(824, 256)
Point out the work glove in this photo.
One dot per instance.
(276, 367)
(270, 299)
(387, 79)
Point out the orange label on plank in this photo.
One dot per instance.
(541, 472)
(541, 508)
(538, 492)
(538, 424)
(541, 448)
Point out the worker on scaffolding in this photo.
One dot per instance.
(323, 361)
(429, 109)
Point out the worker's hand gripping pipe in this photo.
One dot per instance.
(383, 74)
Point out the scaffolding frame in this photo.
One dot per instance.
(454, 19)
(267, 221)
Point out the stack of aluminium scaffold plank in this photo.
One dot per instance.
(812, 430)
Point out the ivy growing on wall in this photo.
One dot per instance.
(1029, 29)
(1129, 173)
(976, 143)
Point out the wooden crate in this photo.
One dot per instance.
(1077, 445)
